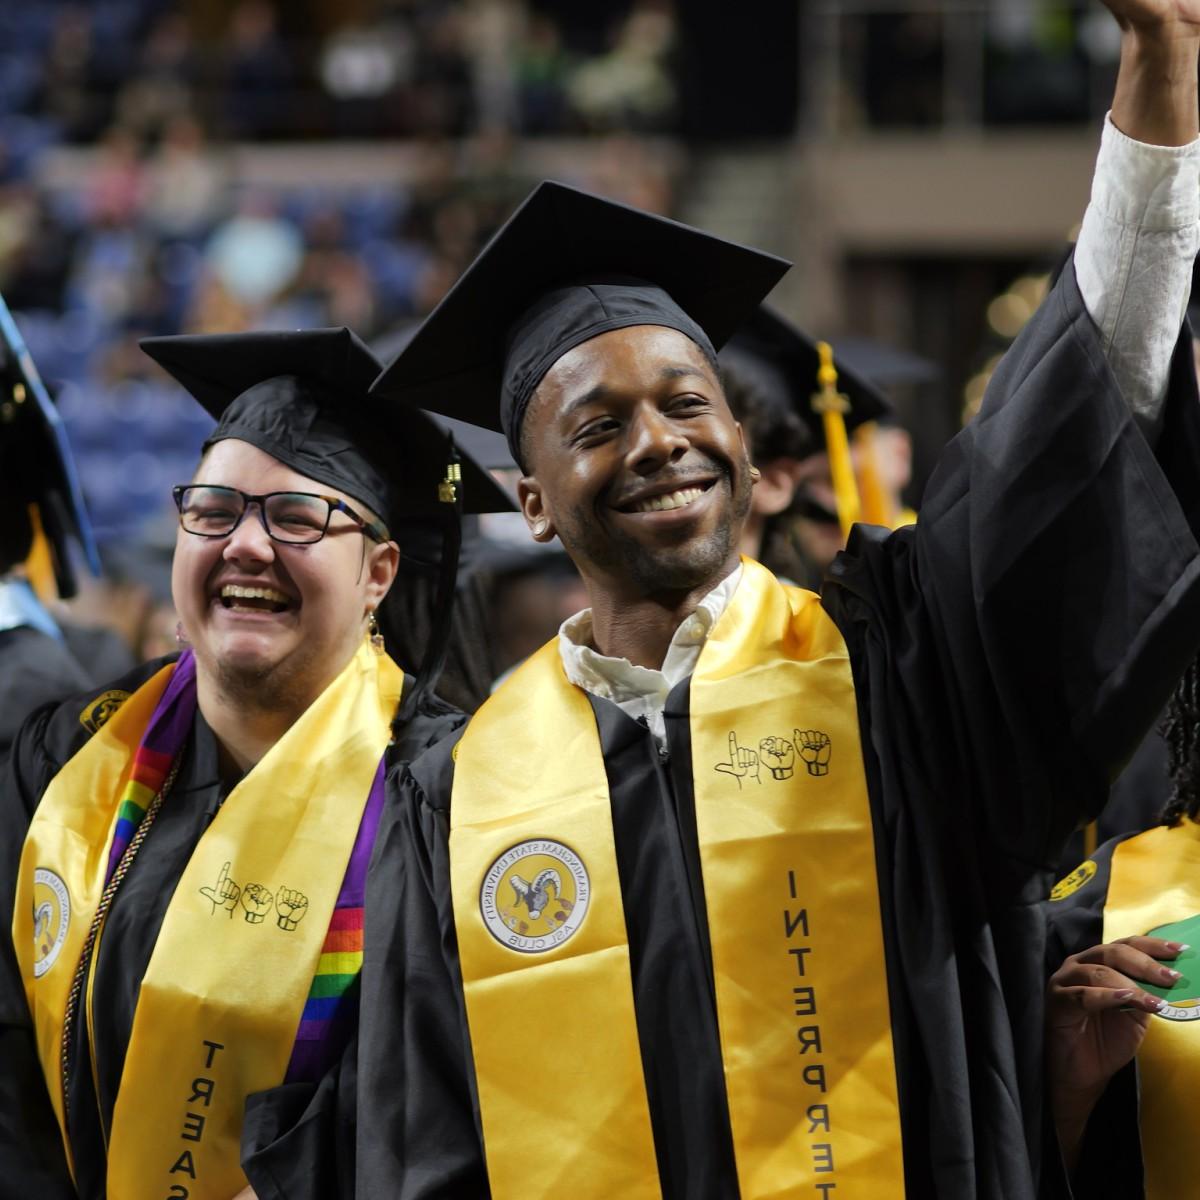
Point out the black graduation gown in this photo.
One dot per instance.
(1008, 653)
(31, 1157)
(35, 668)
(1110, 1155)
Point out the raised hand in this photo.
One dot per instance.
(779, 755)
(256, 900)
(814, 748)
(742, 762)
(224, 894)
(290, 907)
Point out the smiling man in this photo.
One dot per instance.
(731, 890)
(186, 849)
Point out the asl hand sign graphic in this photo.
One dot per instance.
(256, 900)
(779, 755)
(290, 907)
(224, 894)
(743, 762)
(814, 748)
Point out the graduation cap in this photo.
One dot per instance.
(302, 397)
(36, 465)
(566, 267)
(487, 447)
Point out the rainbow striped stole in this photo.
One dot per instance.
(168, 729)
(331, 1010)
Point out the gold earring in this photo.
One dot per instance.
(540, 526)
(755, 473)
(376, 638)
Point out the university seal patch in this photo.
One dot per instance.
(1068, 885)
(535, 896)
(101, 709)
(51, 916)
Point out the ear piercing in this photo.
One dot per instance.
(540, 526)
(755, 473)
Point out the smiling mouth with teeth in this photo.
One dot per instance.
(255, 599)
(677, 499)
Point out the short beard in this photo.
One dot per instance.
(278, 688)
(682, 568)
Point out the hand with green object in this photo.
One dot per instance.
(1187, 987)
(1098, 1005)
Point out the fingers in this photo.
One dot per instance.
(1105, 999)
(1131, 960)
(733, 748)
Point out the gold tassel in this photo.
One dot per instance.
(39, 565)
(833, 406)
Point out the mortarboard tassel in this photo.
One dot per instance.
(833, 406)
(434, 659)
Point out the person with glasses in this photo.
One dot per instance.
(185, 850)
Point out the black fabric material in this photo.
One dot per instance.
(1008, 653)
(563, 318)
(35, 668)
(31, 1159)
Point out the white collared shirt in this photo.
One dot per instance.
(640, 691)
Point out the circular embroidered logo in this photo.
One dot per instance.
(51, 916)
(1068, 885)
(97, 713)
(535, 896)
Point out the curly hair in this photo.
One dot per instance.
(1181, 731)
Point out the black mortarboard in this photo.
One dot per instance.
(303, 398)
(566, 267)
(36, 466)
(780, 361)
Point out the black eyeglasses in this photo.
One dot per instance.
(295, 518)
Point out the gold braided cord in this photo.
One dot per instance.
(102, 908)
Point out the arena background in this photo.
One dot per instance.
(225, 164)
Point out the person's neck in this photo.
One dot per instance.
(244, 733)
(639, 628)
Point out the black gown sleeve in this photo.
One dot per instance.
(1049, 597)
(1009, 651)
(32, 1160)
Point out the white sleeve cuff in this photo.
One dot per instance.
(1151, 187)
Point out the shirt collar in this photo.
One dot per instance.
(618, 679)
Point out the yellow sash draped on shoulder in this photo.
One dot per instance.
(221, 999)
(788, 861)
(1154, 888)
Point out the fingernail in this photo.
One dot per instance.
(1178, 947)
(1169, 973)
(1154, 1004)
(1125, 994)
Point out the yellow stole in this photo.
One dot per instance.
(1154, 888)
(221, 999)
(788, 861)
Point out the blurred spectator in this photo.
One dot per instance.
(541, 70)
(259, 75)
(186, 184)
